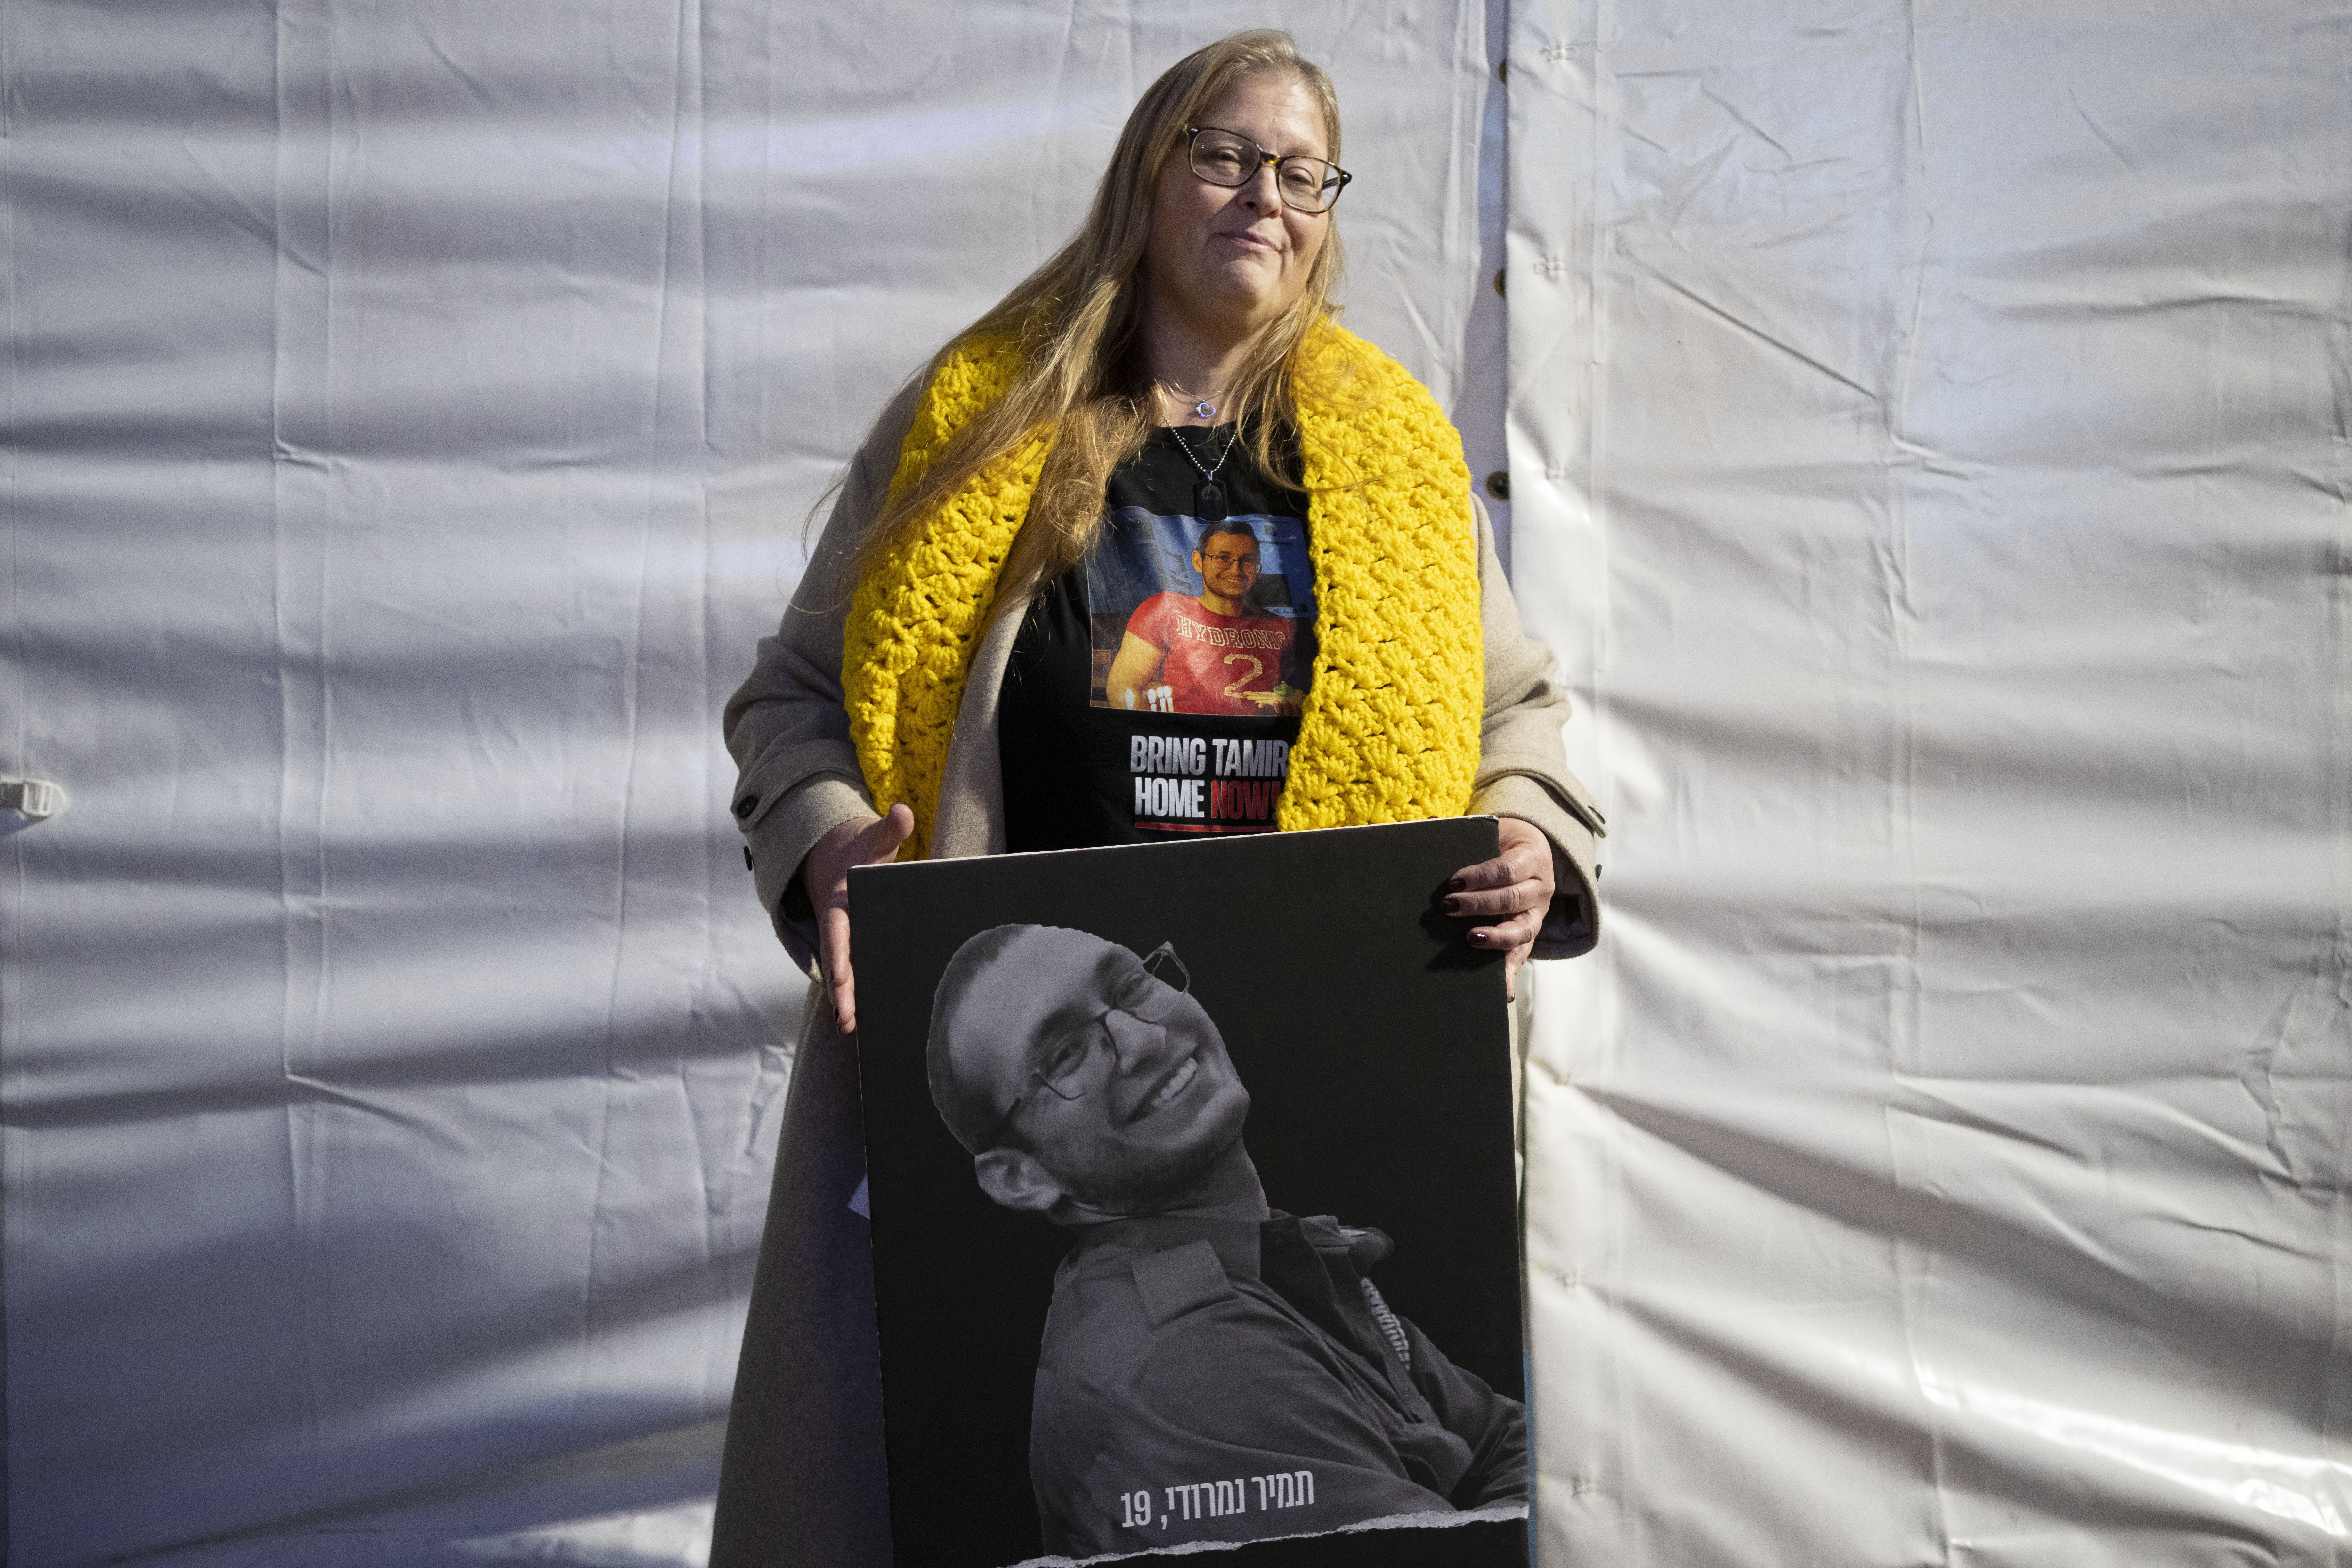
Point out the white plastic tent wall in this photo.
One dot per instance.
(1929, 431)
(1927, 428)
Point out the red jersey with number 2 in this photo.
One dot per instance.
(1214, 660)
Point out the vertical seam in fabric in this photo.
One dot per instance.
(1910, 1244)
(284, 673)
(2336, 641)
(13, 918)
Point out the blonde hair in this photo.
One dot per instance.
(1078, 322)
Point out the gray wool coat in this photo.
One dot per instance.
(803, 1478)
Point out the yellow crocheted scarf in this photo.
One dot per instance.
(1390, 728)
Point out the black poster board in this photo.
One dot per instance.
(1373, 1044)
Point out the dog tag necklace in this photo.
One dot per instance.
(1209, 498)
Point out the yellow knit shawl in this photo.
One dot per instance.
(1390, 728)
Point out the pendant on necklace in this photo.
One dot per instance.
(1204, 409)
(1210, 502)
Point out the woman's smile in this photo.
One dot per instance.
(1268, 248)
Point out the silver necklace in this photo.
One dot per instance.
(1209, 498)
(1203, 408)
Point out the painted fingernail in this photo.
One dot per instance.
(1453, 906)
(1455, 886)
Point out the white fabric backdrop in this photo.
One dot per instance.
(416, 407)
(1928, 432)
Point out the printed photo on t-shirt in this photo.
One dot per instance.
(1192, 616)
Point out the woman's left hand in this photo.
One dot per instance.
(1509, 893)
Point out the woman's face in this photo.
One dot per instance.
(1230, 261)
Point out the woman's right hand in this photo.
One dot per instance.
(825, 872)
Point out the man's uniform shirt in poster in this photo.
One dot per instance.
(1154, 691)
(1207, 1378)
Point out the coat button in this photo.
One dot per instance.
(1499, 485)
(746, 806)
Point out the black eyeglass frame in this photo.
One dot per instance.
(1043, 1077)
(1265, 160)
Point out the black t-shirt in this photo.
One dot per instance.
(1154, 689)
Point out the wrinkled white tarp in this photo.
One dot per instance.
(415, 410)
(1928, 430)
(1928, 437)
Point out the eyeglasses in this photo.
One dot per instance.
(1229, 159)
(1222, 558)
(1144, 994)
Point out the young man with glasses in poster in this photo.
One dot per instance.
(1211, 1369)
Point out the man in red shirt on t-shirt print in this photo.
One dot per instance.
(1209, 654)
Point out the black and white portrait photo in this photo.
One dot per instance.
(1211, 1235)
(1221, 1369)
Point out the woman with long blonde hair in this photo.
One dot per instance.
(1156, 502)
